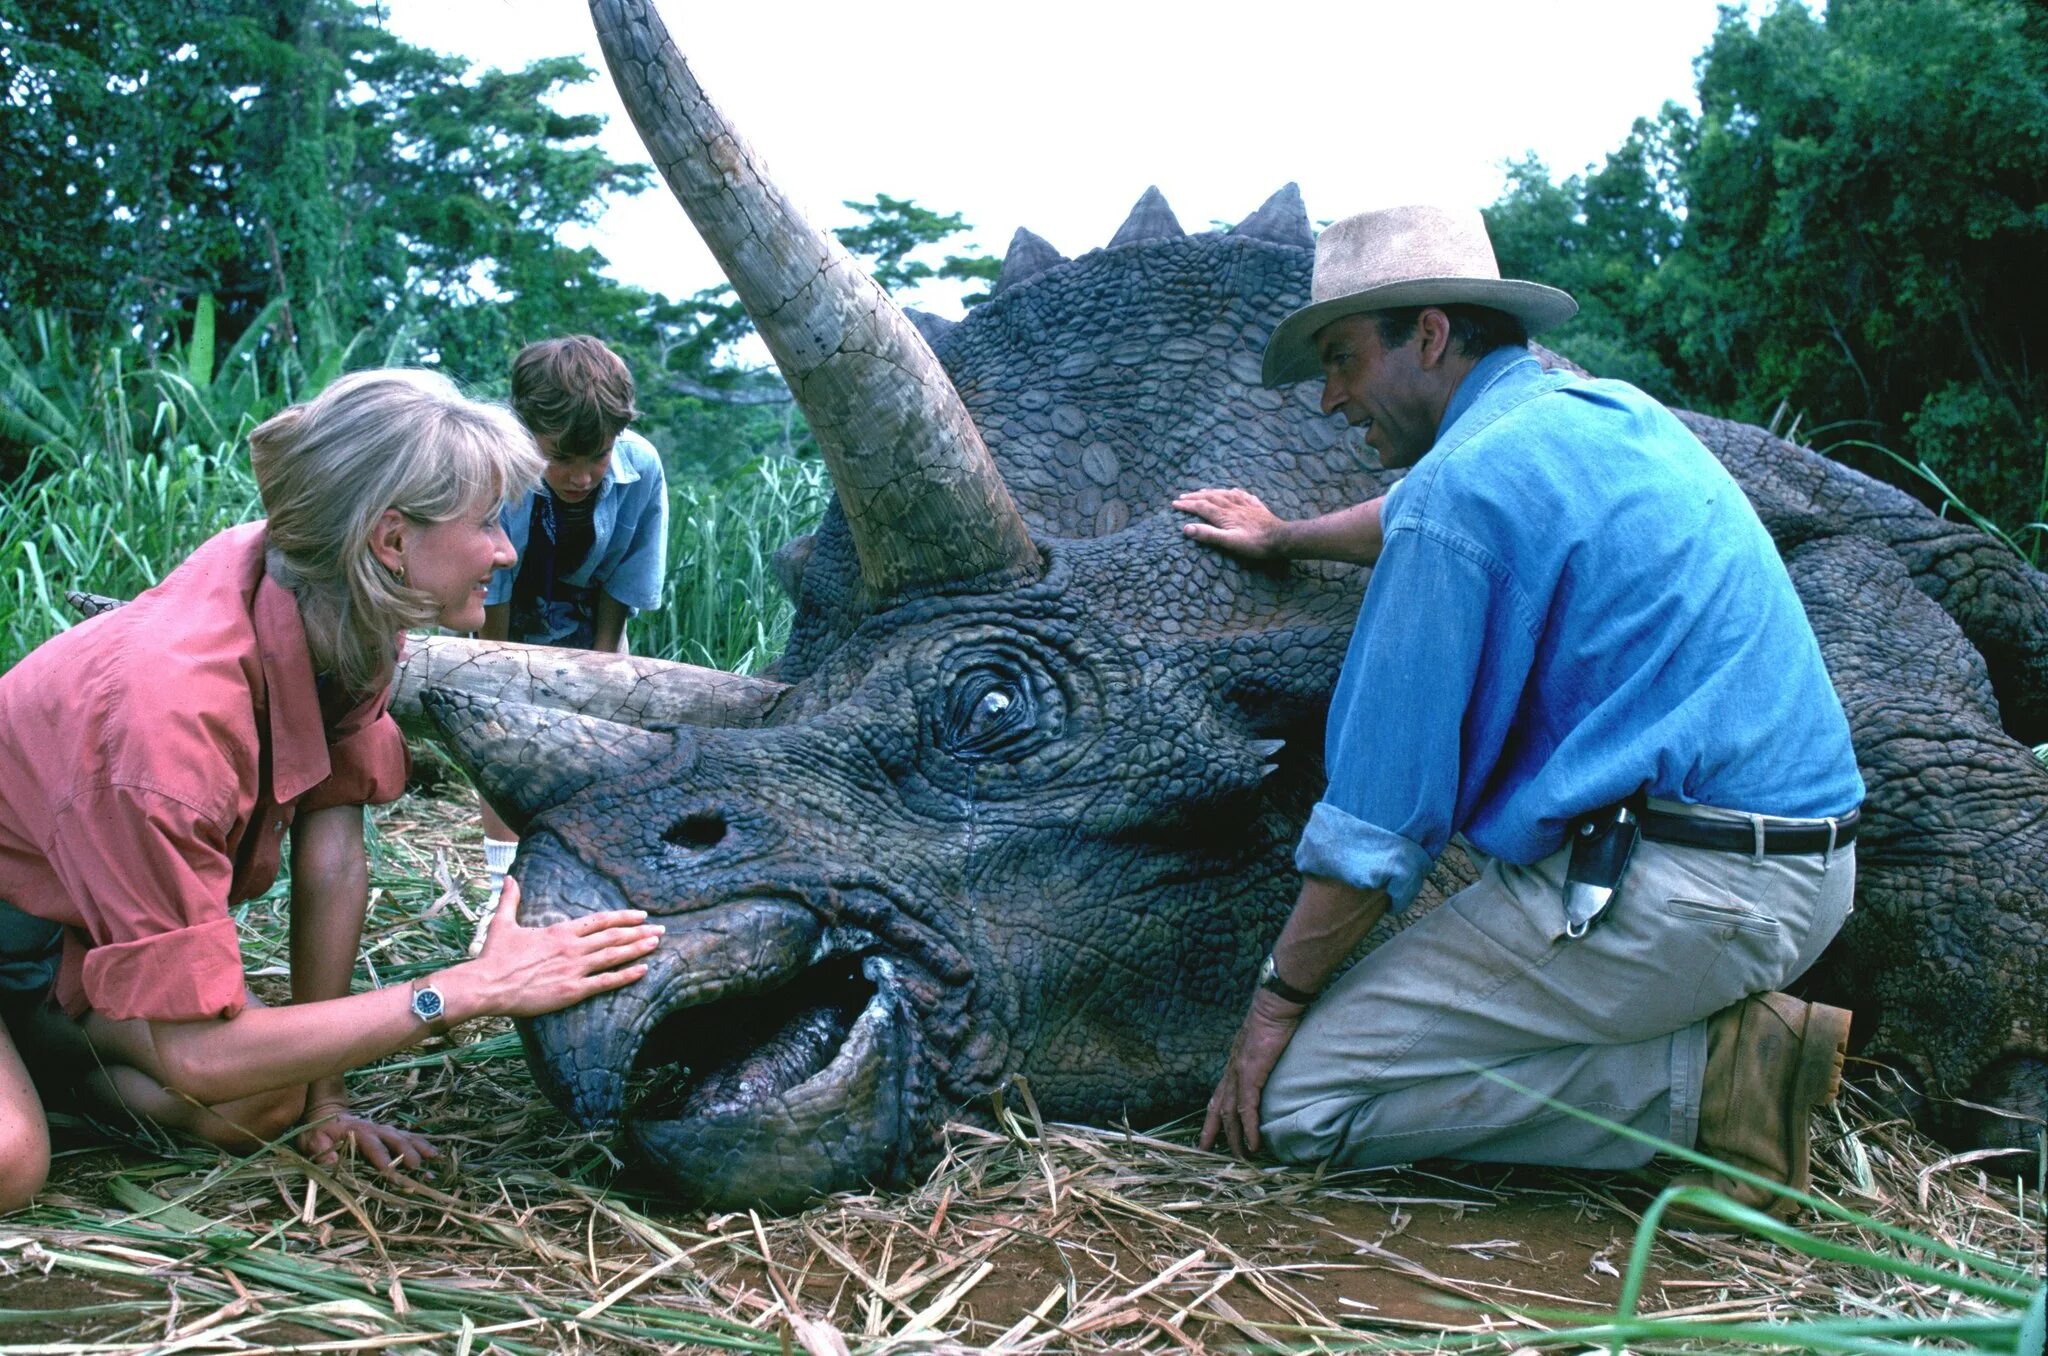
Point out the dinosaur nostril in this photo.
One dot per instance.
(702, 830)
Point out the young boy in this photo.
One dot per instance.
(593, 537)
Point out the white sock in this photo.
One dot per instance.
(498, 855)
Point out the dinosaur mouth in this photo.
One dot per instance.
(776, 1095)
(762, 1060)
(748, 1053)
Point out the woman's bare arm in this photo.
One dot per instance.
(522, 972)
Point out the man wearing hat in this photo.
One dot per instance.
(1580, 653)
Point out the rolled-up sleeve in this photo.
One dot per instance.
(150, 875)
(636, 580)
(369, 768)
(1443, 646)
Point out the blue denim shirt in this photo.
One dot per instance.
(1575, 602)
(629, 555)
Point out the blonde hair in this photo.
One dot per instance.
(328, 468)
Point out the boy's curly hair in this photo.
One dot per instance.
(574, 391)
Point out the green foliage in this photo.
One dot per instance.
(258, 150)
(133, 465)
(1604, 238)
(723, 607)
(109, 524)
(1855, 225)
(464, 195)
(896, 228)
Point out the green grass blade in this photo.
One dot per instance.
(199, 353)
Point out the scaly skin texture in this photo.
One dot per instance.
(1029, 811)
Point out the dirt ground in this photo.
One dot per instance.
(1405, 1253)
(1401, 1264)
(1059, 1240)
(1408, 1261)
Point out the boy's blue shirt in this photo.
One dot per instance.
(1574, 603)
(629, 551)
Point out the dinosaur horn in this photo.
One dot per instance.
(618, 688)
(920, 492)
(526, 759)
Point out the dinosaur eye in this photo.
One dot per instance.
(989, 714)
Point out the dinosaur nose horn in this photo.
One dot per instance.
(918, 487)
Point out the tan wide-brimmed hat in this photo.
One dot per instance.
(1403, 256)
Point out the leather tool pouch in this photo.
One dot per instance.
(1601, 847)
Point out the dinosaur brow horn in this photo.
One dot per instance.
(921, 494)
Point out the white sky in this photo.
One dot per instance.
(1056, 115)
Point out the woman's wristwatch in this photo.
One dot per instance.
(429, 1006)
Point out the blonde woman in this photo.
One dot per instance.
(154, 760)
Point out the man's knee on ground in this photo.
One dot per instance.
(1302, 1131)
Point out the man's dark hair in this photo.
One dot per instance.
(575, 391)
(1475, 330)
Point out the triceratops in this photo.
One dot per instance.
(1020, 797)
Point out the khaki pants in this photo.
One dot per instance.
(1380, 1071)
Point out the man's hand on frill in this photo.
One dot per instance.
(1236, 521)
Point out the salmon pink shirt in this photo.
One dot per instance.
(151, 760)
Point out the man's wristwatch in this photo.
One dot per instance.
(1269, 978)
(429, 1006)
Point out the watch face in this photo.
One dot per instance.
(426, 1004)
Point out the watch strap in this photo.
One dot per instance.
(1269, 979)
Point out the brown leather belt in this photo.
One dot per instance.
(1778, 840)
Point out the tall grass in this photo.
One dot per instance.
(130, 465)
(108, 524)
(723, 607)
(133, 467)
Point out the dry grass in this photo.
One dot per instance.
(1027, 1237)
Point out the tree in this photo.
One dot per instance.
(1870, 194)
(257, 149)
(896, 228)
(1860, 219)
(1604, 238)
